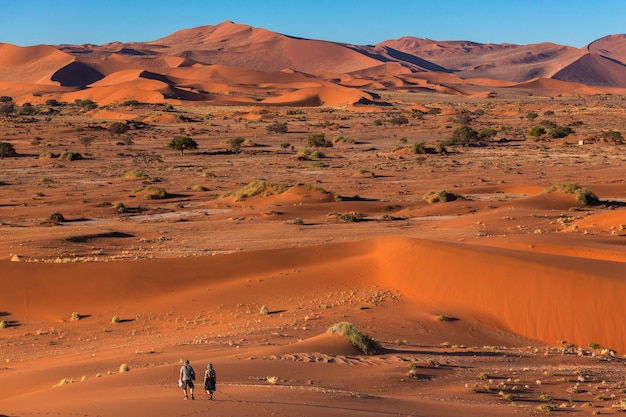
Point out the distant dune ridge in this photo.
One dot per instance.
(233, 63)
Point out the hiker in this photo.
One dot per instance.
(187, 376)
(209, 380)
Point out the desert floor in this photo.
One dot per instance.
(505, 301)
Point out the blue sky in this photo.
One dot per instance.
(568, 22)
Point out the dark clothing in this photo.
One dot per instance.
(210, 380)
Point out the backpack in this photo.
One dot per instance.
(191, 373)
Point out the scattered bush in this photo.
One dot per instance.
(3, 324)
(135, 174)
(118, 128)
(560, 132)
(115, 319)
(464, 136)
(537, 131)
(234, 144)
(152, 192)
(398, 120)
(531, 115)
(363, 342)
(70, 156)
(124, 368)
(440, 196)
(273, 380)
(264, 311)
(487, 133)
(318, 140)
(86, 104)
(56, 218)
(277, 127)
(200, 188)
(7, 150)
(612, 136)
(259, 187)
(75, 316)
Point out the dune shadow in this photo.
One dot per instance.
(86, 238)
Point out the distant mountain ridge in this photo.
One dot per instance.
(402, 63)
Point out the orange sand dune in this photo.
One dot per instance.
(31, 64)
(532, 295)
(551, 86)
(315, 96)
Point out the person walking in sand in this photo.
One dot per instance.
(210, 379)
(187, 376)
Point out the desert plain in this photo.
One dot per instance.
(489, 271)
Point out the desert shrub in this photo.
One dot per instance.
(548, 124)
(70, 156)
(362, 342)
(583, 195)
(86, 104)
(464, 136)
(199, 188)
(7, 108)
(124, 368)
(398, 120)
(258, 187)
(6, 99)
(418, 148)
(487, 133)
(152, 192)
(434, 111)
(612, 136)
(536, 131)
(27, 109)
(56, 218)
(119, 206)
(234, 144)
(264, 310)
(272, 380)
(277, 127)
(3, 324)
(317, 164)
(7, 149)
(317, 154)
(560, 132)
(115, 319)
(440, 196)
(75, 316)
(343, 139)
(135, 174)
(129, 103)
(531, 115)
(180, 143)
(118, 128)
(208, 174)
(318, 140)
(548, 113)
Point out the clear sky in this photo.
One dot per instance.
(568, 22)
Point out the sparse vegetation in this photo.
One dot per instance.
(152, 192)
(277, 127)
(318, 140)
(583, 195)
(135, 174)
(363, 342)
(75, 316)
(464, 136)
(56, 218)
(441, 196)
(124, 368)
(264, 310)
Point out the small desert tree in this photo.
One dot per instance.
(180, 143)
(86, 141)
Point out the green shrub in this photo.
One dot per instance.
(613, 137)
(362, 342)
(537, 131)
(583, 195)
(152, 192)
(70, 156)
(487, 133)
(135, 174)
(464, 136)
(318, 140)
(258, 187)
(560, 132)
